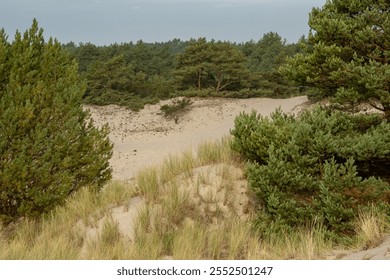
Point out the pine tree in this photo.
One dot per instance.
(109, 81)
(212, 64)
(193, 64)
(227, 65)
(321, 165)
(347, 54)
(49, 147)
(268, 53)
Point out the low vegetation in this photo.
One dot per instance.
(321, 166)
(175, 110)
(193, 206)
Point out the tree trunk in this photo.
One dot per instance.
(200, 79)
(387, 113)
(218, 86)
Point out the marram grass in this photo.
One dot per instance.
(182, 217)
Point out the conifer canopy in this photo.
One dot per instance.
(49, 147)
(347, 54)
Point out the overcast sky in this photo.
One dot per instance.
(104, 22)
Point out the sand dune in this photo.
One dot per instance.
(146, 137)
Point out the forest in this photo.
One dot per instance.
(133, 74)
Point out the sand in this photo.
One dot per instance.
(145, 138)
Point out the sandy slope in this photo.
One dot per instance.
(146, 137)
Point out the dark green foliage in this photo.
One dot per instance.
(193, 64)
(264, 59)
(210, 64)
(347, 54)
(227, 66)
(177, 109)
(316, 166)
(48, 145)
(148, 58)
(210, 92)
(148, 72)
(86, 55)
(115, 82)
(267, 54)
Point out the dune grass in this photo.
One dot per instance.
(192, 209)
(60, 234)
(371, 226)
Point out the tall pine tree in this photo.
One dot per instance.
(211, 64)
(227, 65)
(49, 147)
(347, 54)
(193, 64)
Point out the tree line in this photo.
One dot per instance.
(132, 74)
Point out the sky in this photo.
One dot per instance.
(104, 22)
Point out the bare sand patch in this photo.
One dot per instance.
(144, 138)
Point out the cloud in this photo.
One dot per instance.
(223, 5)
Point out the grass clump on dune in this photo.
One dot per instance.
(61, 233)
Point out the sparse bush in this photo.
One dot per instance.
(317, 166)
(129, 100)
(177, 109)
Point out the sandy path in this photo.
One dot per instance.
(146, 137)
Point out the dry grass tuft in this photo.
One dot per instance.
(371, 226)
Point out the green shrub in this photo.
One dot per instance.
(193, 92)
(176, 109)
(49, 147)
(129, 100)
(317, 166)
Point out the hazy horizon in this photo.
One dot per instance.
(105, 22)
